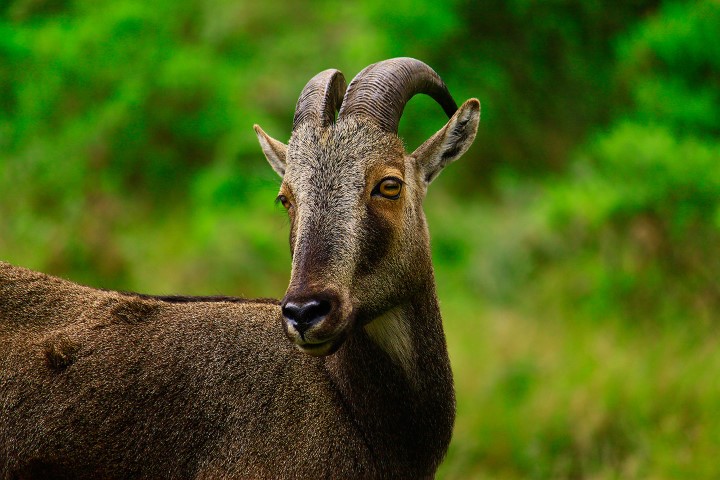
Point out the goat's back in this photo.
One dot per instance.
(104, 384)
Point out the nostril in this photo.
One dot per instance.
(302, 315)
(291, 311)
(318, 309)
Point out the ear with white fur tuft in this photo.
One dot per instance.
(450, 142)
(275, 152)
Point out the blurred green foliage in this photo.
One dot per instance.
(576, 244)
(645, 193)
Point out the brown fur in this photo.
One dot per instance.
(102, 384)
(194, 389)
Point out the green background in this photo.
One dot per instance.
(576, 244)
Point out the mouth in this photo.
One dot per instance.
(318, 349)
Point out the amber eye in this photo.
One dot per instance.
(284, 200)
(389, 188)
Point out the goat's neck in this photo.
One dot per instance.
(395, 380)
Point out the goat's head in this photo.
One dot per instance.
(358, 235)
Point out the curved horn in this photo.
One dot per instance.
(381, 91)
(320, 99)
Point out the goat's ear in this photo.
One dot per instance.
(450, 142)
(275, 152)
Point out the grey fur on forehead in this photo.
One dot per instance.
(350, 142)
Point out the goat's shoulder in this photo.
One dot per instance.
(202, 299)
(37, 300)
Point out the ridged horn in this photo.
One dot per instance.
(382, 90)
(320, 99)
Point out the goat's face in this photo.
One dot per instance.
(352, 197)
(357, 231)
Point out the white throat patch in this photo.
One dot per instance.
(391, 332)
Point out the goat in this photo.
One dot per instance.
(103, 384)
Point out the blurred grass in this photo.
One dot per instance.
(547, 392)
(543, 397)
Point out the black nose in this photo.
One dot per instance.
(304, 314)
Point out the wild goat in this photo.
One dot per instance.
(101, 384)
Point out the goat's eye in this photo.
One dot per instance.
(284, 200)
(389, 188)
